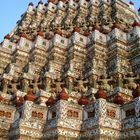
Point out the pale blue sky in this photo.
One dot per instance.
(10, 11)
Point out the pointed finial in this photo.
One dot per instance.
(136, 24)
(31, 4)
(52, 1)
(139, 11)
(132, 3)
(7, 37)
(40, 2)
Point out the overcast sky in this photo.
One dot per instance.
(10, 11)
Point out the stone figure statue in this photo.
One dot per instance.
(131, 82)
(31, 69)
(35, 85)
(106, 86)
(12, 70)
(119, 80)
(58, 85)
(5, 83)
(93, 81)
(69, 83)
(80, 85)
(47, 82)
(25, 85)
(14, 86)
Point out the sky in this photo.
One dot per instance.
(11, 10)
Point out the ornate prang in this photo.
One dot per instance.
(71, 70)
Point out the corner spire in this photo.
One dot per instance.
(40, 2)
(31, 4)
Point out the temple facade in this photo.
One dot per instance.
(70, 70)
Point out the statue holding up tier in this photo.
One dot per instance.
(70, 83)
(5, 83)
(131, 82)
(105, 83)
(48, 82)
(58, 85)
(25, 85)
(14, 86)
(44, 24)
(12, 70)
(35, 85)
(93, 81)
(119, 80)
(81, 85)
(31, 70)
